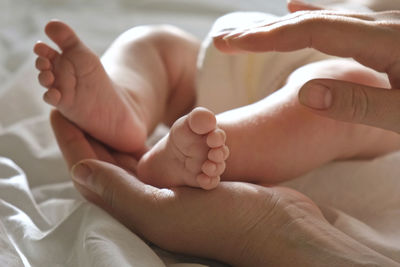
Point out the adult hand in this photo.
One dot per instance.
(237, 223)
(372, 39)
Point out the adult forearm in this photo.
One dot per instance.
(313, 242)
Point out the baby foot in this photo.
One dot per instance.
(193, 153)
(79, 87)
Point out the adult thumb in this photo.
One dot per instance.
(352, 102)
(117, 191)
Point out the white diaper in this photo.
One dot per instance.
(229, 81)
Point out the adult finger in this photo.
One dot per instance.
(296, 5)
(125, 161)
(114, 188)
(223, 46)
(371, 42)
(71, 140)
(352, 102)
(101, 151)
(74, 147)
(172, 218)
(134, 203)
(221, 38)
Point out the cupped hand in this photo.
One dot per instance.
(237, 223)
(372, 39)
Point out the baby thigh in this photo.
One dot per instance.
(276, 138)
(364, 141)
(340, 69)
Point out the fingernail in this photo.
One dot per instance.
(222, 32)
(296, 2)
(81, 172)
(219, 34)
(316, 96)
(232, 35)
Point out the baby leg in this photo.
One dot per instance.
(277, 139)
(193, 153)
(120, 98)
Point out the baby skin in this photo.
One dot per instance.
(194, 150)
(78, 85)
(80, 88)
(144, 79)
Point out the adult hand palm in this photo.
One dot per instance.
(238, 223)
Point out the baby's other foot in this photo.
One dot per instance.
(79, 87)
(193, 153)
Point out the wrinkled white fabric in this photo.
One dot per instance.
(45, 222)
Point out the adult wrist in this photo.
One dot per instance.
(308, 240)
(314, 242)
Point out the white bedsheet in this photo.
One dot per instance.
(44, 221)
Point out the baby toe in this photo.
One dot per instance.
(61, 34)
(43, 50)
(43, 63)
(218, 154)
(207, 182)
(220, 168)
(210, 168)
(216, 138)
(226, 151)
(201, 121)
(46, 78)
(52, 97)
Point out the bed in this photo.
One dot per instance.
(45, 222)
